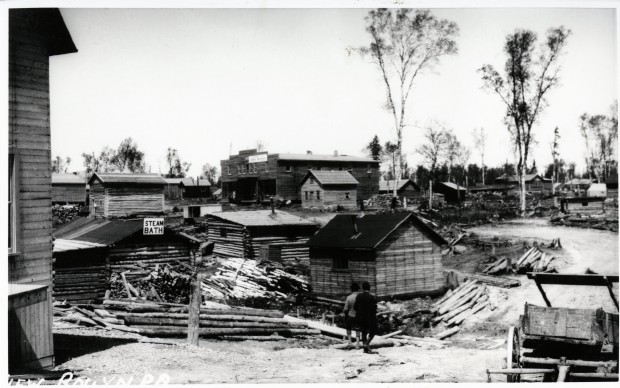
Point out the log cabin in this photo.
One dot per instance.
(199, 188)
(68, 189)
(253, 176)
(397, 253)
(173, 188)
(328, 188)
(115, 195)
(88, 250)
(35, 35)
(406, 189)
(243, 233)
(534, 183)
(451, 191)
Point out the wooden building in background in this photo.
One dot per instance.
(126, 194)
(245, 233)
(255, 176)
(406, 189)
(397, 253)
(34, 36)
(68, 189)
(328, 188)
(172, 189)
(451, 191)
(199, 188)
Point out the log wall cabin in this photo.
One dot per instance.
(34, 36)
(406, 189)
(126, 194)
(255, 176)
(199, 188)
(244, 233)
(395, 252)
(68, 189)
(328, 188)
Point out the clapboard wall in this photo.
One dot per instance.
(333, 282)
(63, 193)
(97, 203)
(344, 195)
(125, 201)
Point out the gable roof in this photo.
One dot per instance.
(47, 21)
(453, 186)
(325, 158)
(372, 229)
(127, 179)
(68, 179)
(188, 182)
(514, 178)
(97, 230)
(402, 183)
(326, 178)
(260, 218)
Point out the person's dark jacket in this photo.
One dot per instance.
(366, 308)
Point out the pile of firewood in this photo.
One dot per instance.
(535, 260)
(459, 304)
(240, 279)
(382, 201)
(61, 214)
(160, 282)
(171, 320)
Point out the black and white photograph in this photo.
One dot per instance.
(299, 192)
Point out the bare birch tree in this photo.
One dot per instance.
(433, 150)
(555, 144)
(406, 43)
(480, 142)
(529, 75)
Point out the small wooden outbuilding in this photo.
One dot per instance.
(199, 188)
(397, 253)
(406, 189)
(327, 188)
(68, 188)
(582, 204)
(173, 188)
(126, 194)
(244, 233)
(451, 191)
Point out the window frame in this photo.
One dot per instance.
(347, 195)
(288, 168)
(224, 232)
(340, 264)
(318, 195)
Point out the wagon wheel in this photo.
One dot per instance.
(513, 352)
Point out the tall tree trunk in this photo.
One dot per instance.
(522, 185)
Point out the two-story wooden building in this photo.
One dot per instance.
(34, 36)
(255, 176)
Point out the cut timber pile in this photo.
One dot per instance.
(240, 279)
(535, 260)
(497, 281)
(500, 265)
(458, 305)
(382, 201)
(159, 282)
(61, 214)
(171, 320)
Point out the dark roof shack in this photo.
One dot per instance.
(127, 179)
(327, 178)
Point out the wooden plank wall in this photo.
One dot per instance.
(126, 201)
(68, 193)
(336, 283)
(148, 250)
(330, 195)
(408, 262)
(30, 332)
(29, 139)
(97, 197)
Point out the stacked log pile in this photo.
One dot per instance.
(168, 282)
(535, 260)
(593, 221)
(459, 304)
(383, 201)
(497, 281)
(62, 214)
(240, 279)
(171, 320)
(136, 254)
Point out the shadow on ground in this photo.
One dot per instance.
(68, 346)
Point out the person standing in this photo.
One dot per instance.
(366, 314)
(350, 316)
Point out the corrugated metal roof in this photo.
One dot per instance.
(331, 177)
(389, 185)
(372, 229)
(260, 218)
(98, 231)
(68, 179)
(62, 245)
(121, 178)
(325, 158)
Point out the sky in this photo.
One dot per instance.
(211, 82)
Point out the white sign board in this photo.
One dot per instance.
(257, 158)
(153, 226)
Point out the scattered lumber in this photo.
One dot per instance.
(377, 342)
(465, 301)
(534, 260)
(497, 281)
(447, 333)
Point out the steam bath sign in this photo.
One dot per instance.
(153, 226)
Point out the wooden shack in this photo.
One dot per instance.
(243, 233)
(397, 253)
(34, 36)
(451, 191)
(328, 188)
(199, 188)
(68, 189)
(406, 189)
(126, 194)
(582, 204)
(172, 189)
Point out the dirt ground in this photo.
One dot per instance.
(107, 356)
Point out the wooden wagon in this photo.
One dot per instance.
(564, 344)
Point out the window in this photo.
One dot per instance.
(228, 170)
(223, 232)
(306, 194)
(312, 195)
(238, 169)
(350, 167)
(255, 167)
(318, 194)
(12, 221)
(368, 168)
(340, 263)
(247, 168)
(288, 168)
(243, 168)
(347, 196)
(266, 169)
